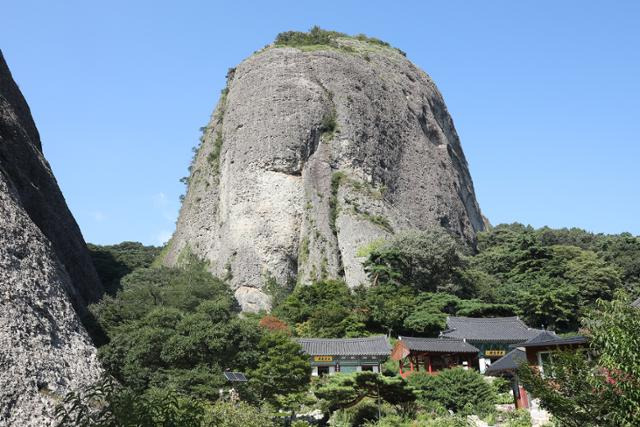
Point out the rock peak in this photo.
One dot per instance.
(319, 145)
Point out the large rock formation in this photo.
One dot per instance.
(312, 153)
(44, 269)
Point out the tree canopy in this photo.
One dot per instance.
(113, 262)
(346, 390)
(179, 329)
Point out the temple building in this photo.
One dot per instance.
(539, 350)
(493, 336)
(536, 352)
(431, 355)
(328, 356)
(507, 367)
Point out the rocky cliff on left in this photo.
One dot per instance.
(46, 276)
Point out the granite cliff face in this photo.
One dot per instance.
(314, 152)
(45, 270)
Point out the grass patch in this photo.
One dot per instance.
(376, 193)
(365, 250)
(214, 156)
(378, 220)
(303, 257)
(157, 263)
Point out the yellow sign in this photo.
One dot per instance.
(495, 352)
(322, 358)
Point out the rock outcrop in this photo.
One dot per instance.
(44, 270)
(312, 153)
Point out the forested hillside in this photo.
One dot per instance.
(175, 330)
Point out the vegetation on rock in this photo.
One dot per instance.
(316, 36)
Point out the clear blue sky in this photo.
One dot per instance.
(545, 96)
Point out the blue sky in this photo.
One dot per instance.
(545, 96)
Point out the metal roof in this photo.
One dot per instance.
(438, 345)
(489, 329)
(235, 376)
(507, 363)
(546, 338)
(369, 346)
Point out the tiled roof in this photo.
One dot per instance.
(438, 345)
(369, 346)
(636, 303)
(507, 363)
(490, 329)
(546, 338)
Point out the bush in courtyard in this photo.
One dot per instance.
(459, 390)
(236, 414)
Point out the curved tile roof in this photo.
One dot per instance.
(369, 346)
(547, 338)
(507, 363)
(438, 345)
(489, 329)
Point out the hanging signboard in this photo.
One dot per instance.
(322, 358)
(495, 352)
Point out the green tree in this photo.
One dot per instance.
(544, 273)
(623, 250)
(113, 262)
(108, 404)
(283, 368)
(427, 261)
(322, 309)
(457, 389)
(604, 388)
(178, 329)
(386, 306)
(431, 311)
(342, 391)
(143, 290)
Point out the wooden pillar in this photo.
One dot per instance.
(430, 370)
(400, 366)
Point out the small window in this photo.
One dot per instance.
(323, 370)
(367, 368)
(545, 362)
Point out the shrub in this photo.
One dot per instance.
(601, 390)
(273, 324)
(106, 403)
(457, 389)
(236, 414)
(315, 36)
